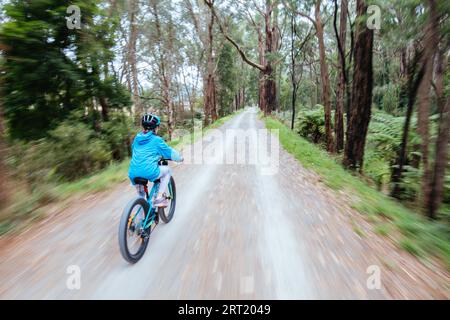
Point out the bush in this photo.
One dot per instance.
(311, 124)
(71, 151)
(377, 169)
(382, 147)
(29, 162)
(384, 136)
(411, 182)
(76, 151)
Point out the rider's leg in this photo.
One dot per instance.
(164, 177)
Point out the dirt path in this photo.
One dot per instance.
(236, 234)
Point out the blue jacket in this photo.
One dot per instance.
(147, 149)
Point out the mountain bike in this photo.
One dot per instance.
(140, 218)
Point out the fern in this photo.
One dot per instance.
(311, 124)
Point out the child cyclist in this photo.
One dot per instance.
(147, 149)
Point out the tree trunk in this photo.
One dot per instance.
(294, 101)
(270, 90)
(361, 93)
(262, 61)
(342, 79)
(169, 105)
(293, 72)
(132, 60)
(276, 67)
(105, 108)
(348, 88)
(403, 63)
(423, 110)
(313, 100)
(210, 89)
(238, 99)
(100, 95)
(4, 194)
(411, 89)
(436, 187)
(325, 79)
(190, 97)
(270, 85)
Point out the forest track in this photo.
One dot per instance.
(236, 234)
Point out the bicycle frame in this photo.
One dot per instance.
(150, 196)
(153, 191)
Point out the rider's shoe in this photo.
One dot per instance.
(161, 202)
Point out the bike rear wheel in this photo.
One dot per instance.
(166, 214)
(133, 239)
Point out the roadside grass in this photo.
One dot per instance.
(27, 207)
(382, 229)
(356, 228)
(417, 235)
(111, 175)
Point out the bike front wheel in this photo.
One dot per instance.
(166, 214)
(133, 238)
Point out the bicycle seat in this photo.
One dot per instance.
(141, 181)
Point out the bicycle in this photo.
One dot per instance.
(140, 218)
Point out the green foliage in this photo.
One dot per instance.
(410, 184)
(117, 133)
(307, 92)
(385, 134)
(382, 147)
(226, 70)
(376, 168)
(76, 151)
(71, 151)
(116, 95)
(311, 124)
(50, 70)
(285, 97)
(28, 207)
(387, 98)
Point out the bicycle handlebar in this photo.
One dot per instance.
(163, 162)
